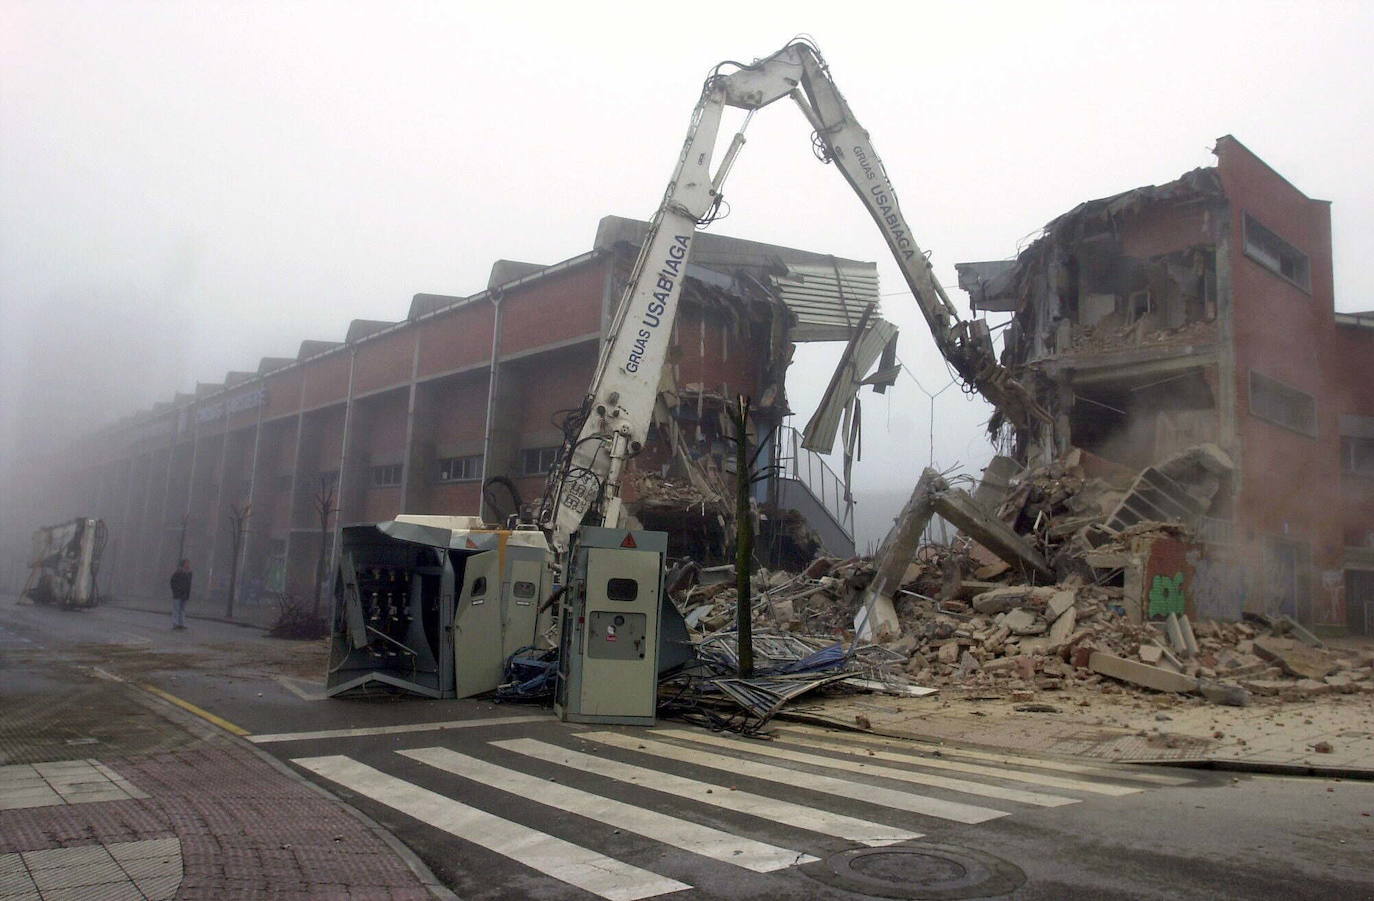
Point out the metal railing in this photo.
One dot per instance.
(810, 470)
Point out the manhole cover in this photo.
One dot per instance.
(920, 870)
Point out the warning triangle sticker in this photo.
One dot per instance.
(629, 540)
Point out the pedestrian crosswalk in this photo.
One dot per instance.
(622, 815)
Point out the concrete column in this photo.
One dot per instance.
(490, 446)
(215, 509)
(166, 493)
(237, 562)
(409, 500)
(344, 448)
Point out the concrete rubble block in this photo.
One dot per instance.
(1286, 625)
(1225, 693)
(1341, 682)
(1063, 626)
(1039, 645)
(785, 612)
(1022, 622)
(1059, 602)
(1000, 600)
(1141, 674)
(1268, 687)
(1175, 634)
(1151, 654)
(949, 652)
(958, 507)
(1189, 639)
(1309, 688)
(1296, 659)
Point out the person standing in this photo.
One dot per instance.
(181, 593)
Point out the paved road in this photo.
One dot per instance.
(505, 802)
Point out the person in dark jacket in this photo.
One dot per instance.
(181, 593)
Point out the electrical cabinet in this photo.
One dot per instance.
(433, 605)
(608, 663)
(393, 612)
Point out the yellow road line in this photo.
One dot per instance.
(192, 708)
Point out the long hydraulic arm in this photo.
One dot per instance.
(616, 414)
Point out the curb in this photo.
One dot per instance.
(199, 727)
(1196, 763)
(201, 616)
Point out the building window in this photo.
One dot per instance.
(537, 461)
(387, 476)
(460, 469)
(1357, 455)
(1276, 254)
(1282, 405)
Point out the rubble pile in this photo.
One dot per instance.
(969, 619)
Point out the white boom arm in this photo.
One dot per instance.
(620, 404)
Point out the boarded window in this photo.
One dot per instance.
(1283, 405)
(460, 469)
(1276, 254)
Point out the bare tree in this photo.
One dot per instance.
(745, 476)
(238, 522)
(325, 507)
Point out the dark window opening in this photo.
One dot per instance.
(1276, 254)
(523, 589)
(537, 461)
(386, 476)
(479, 587)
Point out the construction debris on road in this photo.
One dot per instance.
(1044, 590)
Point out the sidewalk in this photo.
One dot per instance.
(1332, 736)
(207, 816)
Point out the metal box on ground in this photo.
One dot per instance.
(608, 657)
(393, 611)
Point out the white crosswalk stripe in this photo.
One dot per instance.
(1082, 785)
(764, 835)
(855, 744)
(770, 749)
(588, 870)
(688, 836)
(844, 788)
(797, 815)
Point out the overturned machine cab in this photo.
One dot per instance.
(433, 605)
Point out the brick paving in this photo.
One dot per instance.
(244, 830)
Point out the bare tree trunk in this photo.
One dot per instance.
(238, 518)
(324, 505)
(744, 540)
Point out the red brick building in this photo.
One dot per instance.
(417, 415)
(1203, 311)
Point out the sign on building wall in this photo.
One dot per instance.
(219, 409)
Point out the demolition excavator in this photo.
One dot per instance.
(618, 630)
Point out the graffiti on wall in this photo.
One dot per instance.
(1186, 578)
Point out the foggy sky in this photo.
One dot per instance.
(187, 187)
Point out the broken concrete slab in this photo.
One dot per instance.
(877, 614)
(1286, 625)
(1058, 603)
(1141, 674)
(1151, 654)
(1189, 639)
(1175, 634)
(1023, 622)
(1002, 599)
(956, 506)
(1296, 659)
(1225, 693)
(1063, 627)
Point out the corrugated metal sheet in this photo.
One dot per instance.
(844, 386)
(827, 300)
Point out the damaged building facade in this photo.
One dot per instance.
(461, 407)
(1184, 339)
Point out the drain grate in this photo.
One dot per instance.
(923, 871)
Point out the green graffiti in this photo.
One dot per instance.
(1166, 595)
